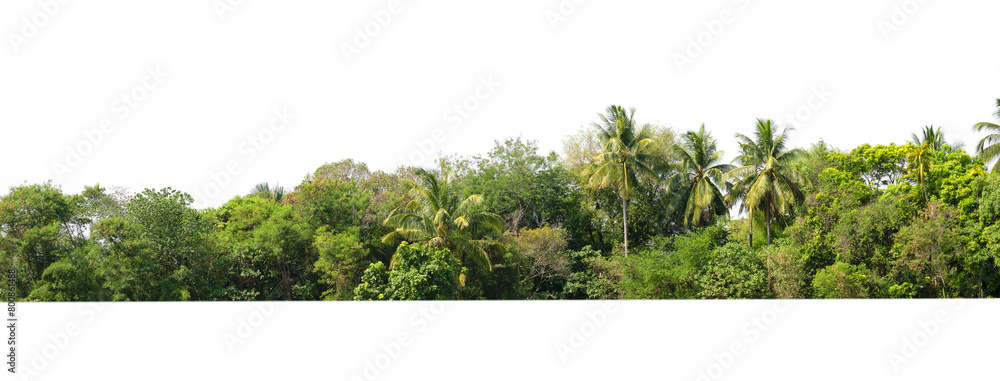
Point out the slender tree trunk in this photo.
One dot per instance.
(625, 225)
(624, 211)
(750, 216)
(767, 216)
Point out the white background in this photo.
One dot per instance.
(227, 71)
(670, 340)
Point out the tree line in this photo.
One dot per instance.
(626, 210)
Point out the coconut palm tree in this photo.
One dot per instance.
(933, 137)
(989, 148)
(696, 185)
(764, 181)
(438, 217)
(919, 161)
(264, 190)
(627, 156)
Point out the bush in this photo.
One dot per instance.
(734, 273)
(840, 281)
(417, 273)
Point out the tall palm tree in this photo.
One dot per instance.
(933, 137)
(696, 185)
(437, 216)
(764, 181)
(989, 148)
(919, 161)
(264, 190)
(627, 156)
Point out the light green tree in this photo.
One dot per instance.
(626, 157)
(438, 217)
(764, 181)
(989, 147)
(696, 186)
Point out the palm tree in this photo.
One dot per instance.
(989, 148)
(933, 137)
(264, 190)
(920, 161)
(699, 175)
(764, 181)
(627, 156)
(436, 216)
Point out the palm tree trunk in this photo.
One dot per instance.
(625, 225)
(624, 211)
(750, 216)
(767, 216)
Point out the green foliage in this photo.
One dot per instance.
(988, 148)
(418, 273)
(698, 184)
(786, 266)
(338, 265)
(71, 279)
(920, 219)
(158, 250)
(33, 230)
(269, 246)
(764, 180)
(546, 262)
(880, 166)
(627, 157)
(841, 281)
(928, 250)
(670, 267)
(734, 273)
(594, 276)
(438, 216)
(866, 235)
